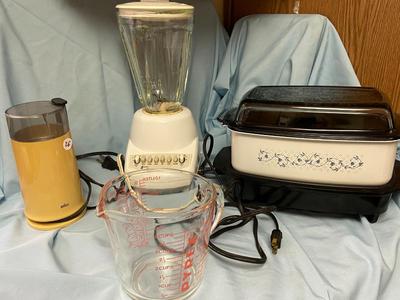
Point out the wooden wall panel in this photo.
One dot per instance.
(223, 8)
(219, 7)
(370, 30)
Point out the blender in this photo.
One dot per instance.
(157, 40)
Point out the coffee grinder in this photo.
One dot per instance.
(157, 40)
(45, 159)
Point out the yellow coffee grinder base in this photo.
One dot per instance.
(57, 224)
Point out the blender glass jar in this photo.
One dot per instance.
(157, 41)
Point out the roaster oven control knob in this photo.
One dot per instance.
(162, 159)
(156, 159)
(149, 159)
(181, 158)
(169, 159)
(136, 159)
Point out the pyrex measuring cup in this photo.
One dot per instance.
(159, 230)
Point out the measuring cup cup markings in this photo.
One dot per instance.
(144, 180)
(188, 263)
(136, 235)
(135, 227)
(182, 262)
(165, 251)
(165, 235)
(170, 241)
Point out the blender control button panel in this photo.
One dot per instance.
(136, 159)
(167, 160)
(181, 158)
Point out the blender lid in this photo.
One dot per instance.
(149, 8)
(317, 112)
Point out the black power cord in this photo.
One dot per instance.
(106, 161)
(247, 214)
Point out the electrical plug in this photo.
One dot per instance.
(107, 162)
(276, 239)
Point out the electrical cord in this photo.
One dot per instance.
(203, 170)
(247, 214)
(207, 153)
(83, 176)
(97, 153)
(106, 162)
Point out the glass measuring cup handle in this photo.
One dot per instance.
(220, 207)
(101, 205)
(101, 202)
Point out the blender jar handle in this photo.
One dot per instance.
(219, 209)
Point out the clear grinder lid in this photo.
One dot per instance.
(37, 120)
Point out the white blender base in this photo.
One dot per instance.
(162, 141)
(182, 159)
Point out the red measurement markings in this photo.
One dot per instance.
(169, 278)
(175, 247)
(172, 245)
(164, 235)
(169, 285)
(173, 275)
(179, 235)
(174, 258)
(167, 268)
(136, 233)
(188, 263)
(172, 242)
(165, 251)
(144, 180)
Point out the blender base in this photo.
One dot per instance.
(162, 141)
